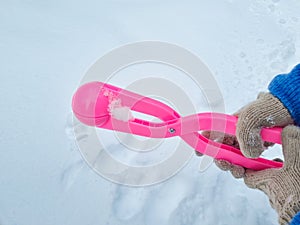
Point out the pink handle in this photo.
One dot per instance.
(91, 105)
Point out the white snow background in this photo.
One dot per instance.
(45, 49)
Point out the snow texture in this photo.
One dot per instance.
(115, 108)
(122, 113)
(118, 111)
(47, 46)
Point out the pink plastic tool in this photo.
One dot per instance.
(94, 104)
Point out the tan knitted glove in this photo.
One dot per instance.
(282, 186)
(266, 111)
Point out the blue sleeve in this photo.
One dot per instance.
(296, 219)
(286, 87)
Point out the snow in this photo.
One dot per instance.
(122, 113)
(118, 111)
(46, 48)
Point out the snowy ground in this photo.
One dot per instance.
(47, 46)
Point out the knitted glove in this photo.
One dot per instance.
(282, 186)
(270, 109)
(266, 111)
(281, 108)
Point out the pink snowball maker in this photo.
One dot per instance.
(105, 106)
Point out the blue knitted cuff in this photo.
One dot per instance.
(296, 219)
(286, 87)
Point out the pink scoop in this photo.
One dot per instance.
(94, 104)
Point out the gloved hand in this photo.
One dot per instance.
(282, 186)
(266, 111)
